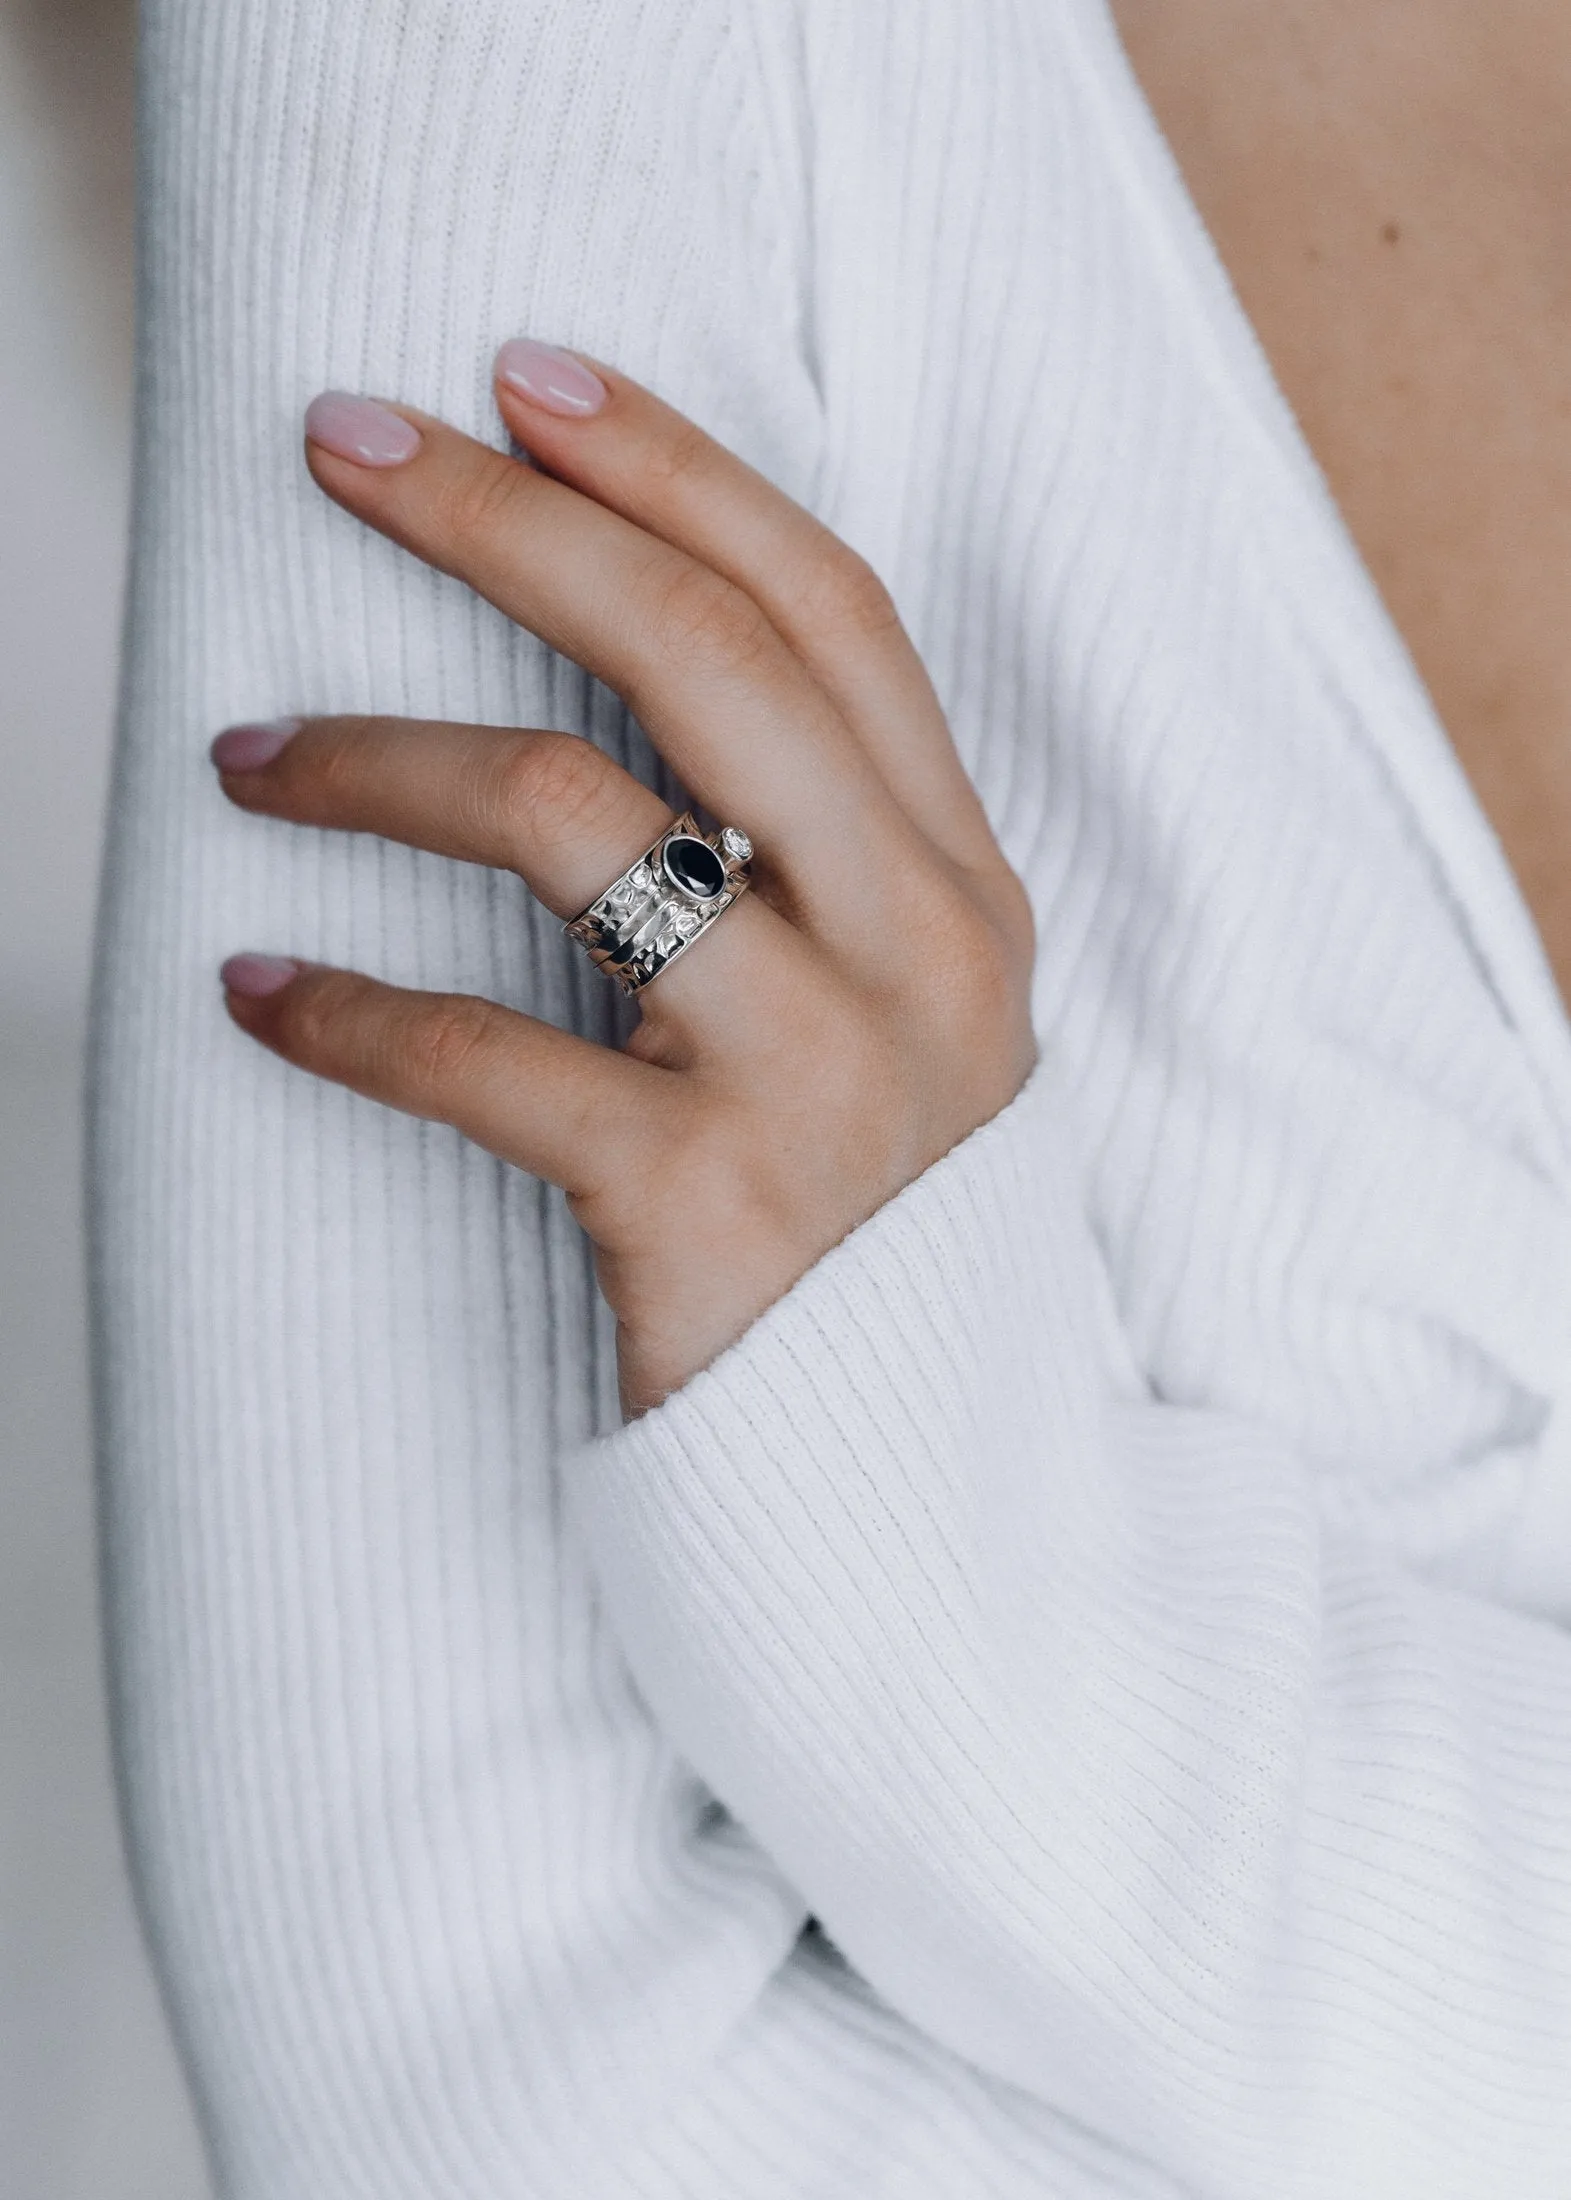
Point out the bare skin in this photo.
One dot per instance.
(1389, 185)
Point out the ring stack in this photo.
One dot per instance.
(663, 902)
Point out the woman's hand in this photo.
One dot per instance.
(834, 1033)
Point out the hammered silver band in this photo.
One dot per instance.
(663, 902)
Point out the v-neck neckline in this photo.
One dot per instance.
(1394, 706)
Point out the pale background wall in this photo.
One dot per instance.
(91, 2105)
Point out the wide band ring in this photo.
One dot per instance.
(663, 902)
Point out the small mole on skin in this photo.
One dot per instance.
(1390, 233)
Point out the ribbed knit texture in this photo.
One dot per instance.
(1121, 1594)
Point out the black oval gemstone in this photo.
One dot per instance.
(694, 867)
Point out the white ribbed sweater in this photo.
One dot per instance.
(1121, 1592)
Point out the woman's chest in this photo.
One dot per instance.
(1389, 187)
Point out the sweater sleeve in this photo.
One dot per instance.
(439, 1912)
(1095, 1756)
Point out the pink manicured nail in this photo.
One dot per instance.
(550, 378)
(358, 428)
(253, 977)
(248, 748)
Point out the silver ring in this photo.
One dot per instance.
(663, 902)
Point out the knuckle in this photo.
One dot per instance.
(558, 787)
(684, 454)
(441, 1040)
(975, 973)
(335, 767)
(481, 499)
(849, 595)
(1010, 911)
(309, 1019)
(978, 957)
(707, 623)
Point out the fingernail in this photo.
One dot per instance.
(550, 378)
(253, 977)
(248, 748)
(358, 428)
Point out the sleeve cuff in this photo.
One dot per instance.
(851, 1467)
